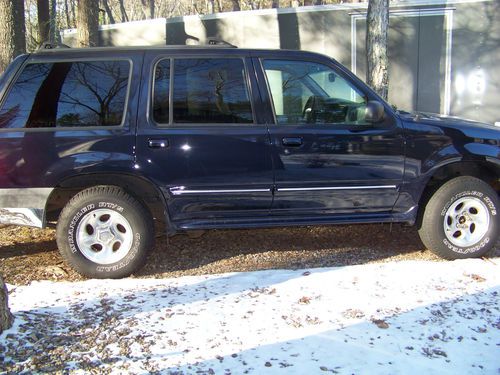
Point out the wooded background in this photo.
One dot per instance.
(45, 18)
(26, 24)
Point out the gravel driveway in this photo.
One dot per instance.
(28, 254)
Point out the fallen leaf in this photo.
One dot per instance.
(380, 323)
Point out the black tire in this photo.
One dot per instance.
(451, 226)
(103, 232)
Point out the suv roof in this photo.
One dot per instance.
(47, 49)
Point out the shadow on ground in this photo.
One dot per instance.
(28, 254)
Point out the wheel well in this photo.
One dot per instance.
(487, 172)
(143, 190)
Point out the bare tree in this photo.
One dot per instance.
(210, 7)
(377, 25)
(43, 19)
(12, 31)
(54, 36)
(83, 74)
(6, 317)
(123, 12)
(73, 12)
(148, 7)
(108, 11)
(66, 11)
(236, 5)
(87, 23)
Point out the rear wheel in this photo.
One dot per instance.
(460, 220)
(103, 232)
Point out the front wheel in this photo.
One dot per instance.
(461, 219)
(103, 232)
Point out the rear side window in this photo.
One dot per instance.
(205, 90)
(67, 94)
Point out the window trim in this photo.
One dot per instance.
(337, 71)
(179, 125)
(34, 60)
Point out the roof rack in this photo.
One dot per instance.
(211, 41)
(52, 45)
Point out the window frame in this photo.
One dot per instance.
(52, 60)
(334, 69)
(171, 124)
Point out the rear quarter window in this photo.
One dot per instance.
(67, 94)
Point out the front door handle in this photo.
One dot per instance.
(158, 143)
(292, 141)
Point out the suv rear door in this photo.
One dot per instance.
(327, 159)
(200, 137)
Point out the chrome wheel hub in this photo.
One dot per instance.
(466, 222)
(104, 236)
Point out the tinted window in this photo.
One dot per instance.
(161, 92)
(46, 95)
(305, 92)
(210, 91)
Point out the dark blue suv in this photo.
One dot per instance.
(120, 145)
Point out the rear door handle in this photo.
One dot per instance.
(158, 143)
(292, 141)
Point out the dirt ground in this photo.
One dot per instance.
(28, 254)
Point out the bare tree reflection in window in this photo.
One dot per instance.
(94, 94)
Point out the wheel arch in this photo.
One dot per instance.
(146, 192)
(486, 170)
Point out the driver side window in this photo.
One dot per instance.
(311, 93)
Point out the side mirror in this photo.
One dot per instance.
(374, 111)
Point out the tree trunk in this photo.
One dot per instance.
(152, 8)
(236, 5)
(66, 10)
(108, 11)
(210, 7)
(123, 12)
(6, 317)
(87, 23)
(73, 12)
(12, 31)
(377, 25)
(43, 20)
(54, 35)
(275, 4)
(219, 6)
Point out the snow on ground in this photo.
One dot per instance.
(392, 318)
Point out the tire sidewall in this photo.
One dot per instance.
(67, 232)
(489, 237)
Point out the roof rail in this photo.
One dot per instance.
(51, 45)
(211, 41)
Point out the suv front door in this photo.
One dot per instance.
(200, 139)
(327, 158)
